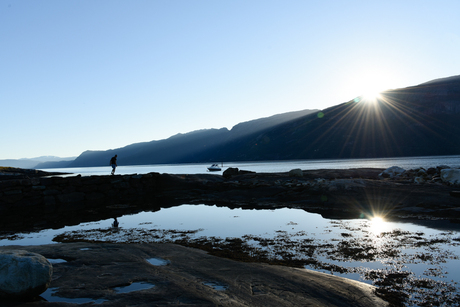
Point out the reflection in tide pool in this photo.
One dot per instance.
(208, 220)
(135, 286)
(213, 221)
(424, 260)
(50, 296)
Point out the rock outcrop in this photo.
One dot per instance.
(23, 274)
(94, 271)
(451, 176)
(392, 172)
(297, 172)
(41, 203)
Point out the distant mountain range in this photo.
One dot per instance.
(414, 121)
(196, 146)
(33, 162)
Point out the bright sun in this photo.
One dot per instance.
(371, 95)
(378, 224)
(369, 82)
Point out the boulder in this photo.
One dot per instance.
(231, 171)
(441, 167)
(450, 175)
(297, 172)
(421, 172)
(431, 171)
(392, 172)
(23, 274)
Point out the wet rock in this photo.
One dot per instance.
(229, 172)
(192, 277)
(421, 172)
(297, 172)
(321, 181)
(441, 167)
(450, 175)
(431, 171)
(392, 172)
(233, 171)
(346, 184)
(23, 274)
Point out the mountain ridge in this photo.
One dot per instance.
(179, 148)
(417, 120)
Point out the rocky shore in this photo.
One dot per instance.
(52, 202)
(7, 173)
(34, 203)
(90, 274)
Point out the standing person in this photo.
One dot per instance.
(113, 162)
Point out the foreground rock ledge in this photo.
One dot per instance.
(94, 270)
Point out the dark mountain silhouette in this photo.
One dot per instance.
(196, 146)
(414, 121)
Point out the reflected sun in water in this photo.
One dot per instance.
(378, 225)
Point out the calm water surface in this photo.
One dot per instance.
(426, 253)
(268, 167)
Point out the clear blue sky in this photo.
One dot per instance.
(95, 75)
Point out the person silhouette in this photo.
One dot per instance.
(115, 223)
(113, 162)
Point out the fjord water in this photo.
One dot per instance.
(268, 166)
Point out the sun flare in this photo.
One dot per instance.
(371, 95)
(378, 224)
(370, 81)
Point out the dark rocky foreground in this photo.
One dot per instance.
(7, 173)
(39, 203)
(191, 278)
(52, 202)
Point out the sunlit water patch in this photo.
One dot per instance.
(157, 261)
(216, 285)
(51, 296)
(135, 286)
(57, 261)
(414, 264)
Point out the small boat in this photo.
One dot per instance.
(214, 168)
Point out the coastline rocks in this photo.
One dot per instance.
(392, 172)
(297, 172)
(422, 176)
(233, 171)
(451, 176)
(229, 172)
(23, 274)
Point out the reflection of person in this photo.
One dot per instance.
(115, 223)
(113, 162)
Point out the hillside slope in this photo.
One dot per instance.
(414, 121)
(195, 146)
(419, 120)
